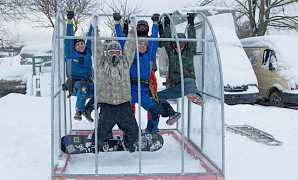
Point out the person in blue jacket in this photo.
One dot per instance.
(147, 53)
(78, 59)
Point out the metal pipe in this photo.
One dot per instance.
(128, 38)
(138, 16)
(139, 94)
(204, 47)
(59, 97)
(54, 39)
(94, 54)
(173, 30)
(69, 99)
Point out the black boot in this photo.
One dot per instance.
(87, 114)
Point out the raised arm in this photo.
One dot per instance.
(68, 43)
(191, 32)
(166, 33)
(153, 44)
(89, 34)
(130, 45)
(117, 17)
(68, 47)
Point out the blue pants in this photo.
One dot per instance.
(147, 103)
(82, 90)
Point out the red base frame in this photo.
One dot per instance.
(212, 172)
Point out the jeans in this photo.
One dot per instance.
(82, 90)
(175, 91)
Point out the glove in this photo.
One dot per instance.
(70, 15)
(167, 21)
(125, 26)
(190, 18)
(155, 17)
(117, 16)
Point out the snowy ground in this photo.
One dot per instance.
(26, 121)
(25, 154)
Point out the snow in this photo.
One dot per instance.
(27, 150)
(246, 159)
(285, 48)
(36, 50)
(12, 70)
(25, 133)
(152, 162)
(237, 70)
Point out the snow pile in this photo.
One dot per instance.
(25, 131)
(237, 70)
(12, 70)
(285, 48)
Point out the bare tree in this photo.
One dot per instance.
(121, 6)
(48, 8)
(204, 2)
(10, 9)
(262, 14)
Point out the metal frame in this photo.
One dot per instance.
(56, 41)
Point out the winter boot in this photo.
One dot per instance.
(195, 98)
(87, 114)
(78, 116)
(174, 118)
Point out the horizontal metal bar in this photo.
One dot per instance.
(129, 38)
(210, 95)
(57, 93)
(135, 174)
(141, 15)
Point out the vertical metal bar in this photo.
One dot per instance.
(204, 47)
(173, 30)
(139, 93)
(59, 81)
(189, 105)
(64, 92)
(54, 39)
(94, 59)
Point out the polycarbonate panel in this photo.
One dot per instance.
(211, 67)
(212, 131)
(212, 145)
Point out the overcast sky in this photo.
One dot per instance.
(26, 31)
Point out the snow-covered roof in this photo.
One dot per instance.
(36, 50)
(210, 9)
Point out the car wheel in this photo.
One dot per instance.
(275, 98)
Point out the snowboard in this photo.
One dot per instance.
(79, 144)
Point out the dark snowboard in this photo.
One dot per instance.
(78, 144)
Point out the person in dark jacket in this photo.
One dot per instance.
(188, 49)
(147, 53)
(78, 59)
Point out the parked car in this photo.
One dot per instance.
(274, 60)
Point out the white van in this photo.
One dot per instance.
(275, 62)
(240, 82)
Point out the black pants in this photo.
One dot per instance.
(122, 115)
